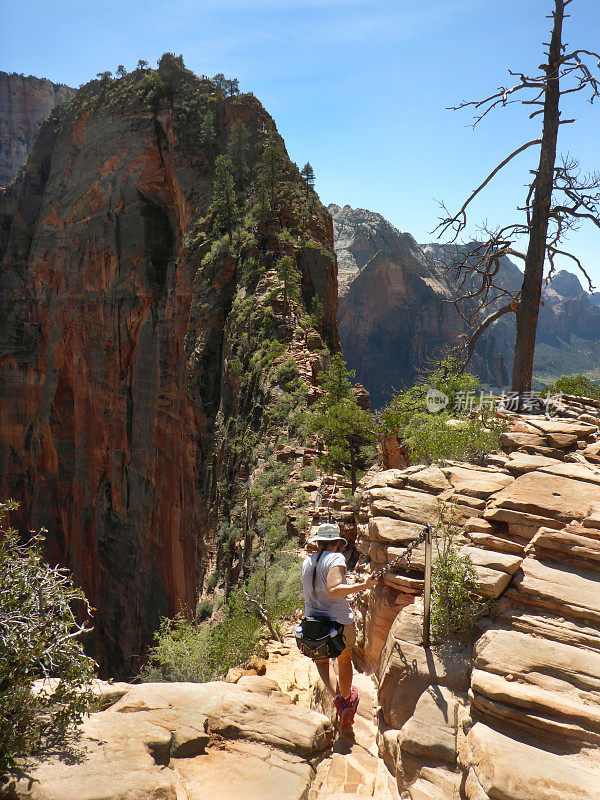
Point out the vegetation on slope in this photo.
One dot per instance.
(459, 430)
(39, 637)
(573, 357)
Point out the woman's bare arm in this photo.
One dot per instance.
(337, 588)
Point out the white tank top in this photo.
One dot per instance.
(318, 602)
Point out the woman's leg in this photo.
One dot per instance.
(344, 662)
(328, 676)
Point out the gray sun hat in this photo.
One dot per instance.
(328, 532)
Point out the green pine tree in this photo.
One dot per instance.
(263, 206)
(290, 280)
(237, 150)
(232, 86)
(339, 422)
(223, 208)
(271, 168)
(317, 311)
(308, 175)
(336, 381)
(208, 134)
(220, 81)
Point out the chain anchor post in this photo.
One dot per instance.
(427, 587)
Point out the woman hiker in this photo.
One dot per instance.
(325, 593)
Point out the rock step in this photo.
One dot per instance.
(355, 769)
(217, 739)
(566, 592)
(503, 767)
(532, 682)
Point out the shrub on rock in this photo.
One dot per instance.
(454, 609)
(39, 638)
(578, 385)
(450, 431)
(186, 651)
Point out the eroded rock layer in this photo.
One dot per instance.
(126, 330)
(169, 741)
(516, 715)
(25, 102)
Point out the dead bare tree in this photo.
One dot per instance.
(559, 199)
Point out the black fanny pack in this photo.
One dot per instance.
(320, 637)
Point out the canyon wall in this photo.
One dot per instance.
(394, 312)
(396, 315)
(25, 102)
(512, 710)
(127, 325)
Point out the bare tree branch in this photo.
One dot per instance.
(558, 200)
(459, 220)
(470, 346)
(554, 251)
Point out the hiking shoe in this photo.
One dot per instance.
(349, 710)
(338, 702)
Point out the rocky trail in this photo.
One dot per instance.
(353, 769)
(262, 737)
(513, 716)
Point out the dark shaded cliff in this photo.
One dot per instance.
(25, 102)
(136, 341)
(393, 317)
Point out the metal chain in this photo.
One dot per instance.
(406, 554)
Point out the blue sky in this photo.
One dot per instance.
(358, 88)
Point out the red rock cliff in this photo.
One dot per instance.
(116, 324)
(24, 105)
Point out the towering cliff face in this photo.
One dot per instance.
(127, 328)
(394, 316)
(24, 104)
(393, 313)
(567, 314)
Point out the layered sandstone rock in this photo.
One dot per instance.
(516, 716)
(167, 741)
(125, 340)
(25, 102)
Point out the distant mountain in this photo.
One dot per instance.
(564, 285)
(394, 315)
(25, 102)
(394, 311)
(567, 311)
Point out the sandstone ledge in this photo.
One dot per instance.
(159, 740)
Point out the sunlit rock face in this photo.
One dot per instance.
(115, 329)
(24, 104)
(511, 711)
